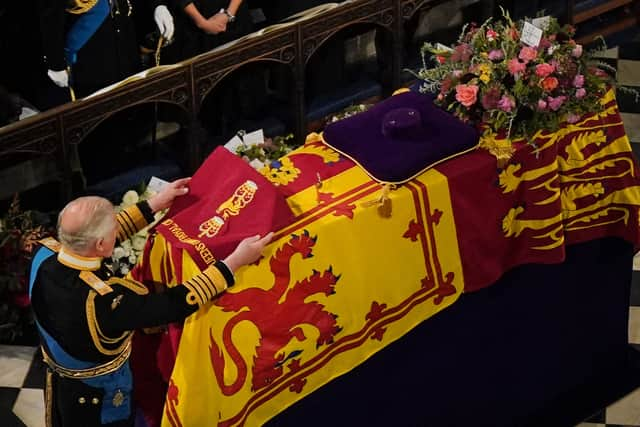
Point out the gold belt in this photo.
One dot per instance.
(103, 369)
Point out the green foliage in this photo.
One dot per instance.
(19, 233)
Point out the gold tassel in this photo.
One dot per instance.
(318, 186)
(158, 50)
(501, 148)
(72, 93)
(384, 208)
(383, 202)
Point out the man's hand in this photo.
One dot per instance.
(248, 251)
(216, 24)
(169, 192)
(164, 21)
(60, 78)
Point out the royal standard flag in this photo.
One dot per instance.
(334, 287)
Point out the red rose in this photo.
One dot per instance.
(549, 84)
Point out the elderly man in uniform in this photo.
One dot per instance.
(86, 317)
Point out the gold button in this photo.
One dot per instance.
(95, 400)
(81, 400)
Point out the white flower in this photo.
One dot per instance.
(130, 198)
(126, 245)
(118, 253)
(147, 194)
(124, 269)
(133, 259)
(138, 242)
(256, 164)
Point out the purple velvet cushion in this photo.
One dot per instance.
(400, 137)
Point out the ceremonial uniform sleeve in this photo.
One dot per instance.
(130, 306)
(52, 16)
(133, 219)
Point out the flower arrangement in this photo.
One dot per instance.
(493, 79)
(348, 112)
(126, 255)
(20, 231)
(271, 149)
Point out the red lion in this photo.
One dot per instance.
(277, 316)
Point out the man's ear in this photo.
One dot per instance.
(100, 244)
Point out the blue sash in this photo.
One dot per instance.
(118, 381)
(85, 27)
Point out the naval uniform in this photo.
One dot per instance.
(86, 318)
(110, 54)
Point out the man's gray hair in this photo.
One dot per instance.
(98, 223)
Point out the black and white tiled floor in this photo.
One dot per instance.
(22, 371)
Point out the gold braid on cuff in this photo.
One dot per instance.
(130, 221)
(205, 286)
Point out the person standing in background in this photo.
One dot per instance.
(90, 44)
(203, 25)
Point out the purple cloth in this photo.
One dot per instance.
(400, 137)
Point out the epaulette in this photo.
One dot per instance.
(50, 243)
(95, 282)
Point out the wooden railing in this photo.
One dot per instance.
(57, 133)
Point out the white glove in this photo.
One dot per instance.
(60, 78)
(164, 21)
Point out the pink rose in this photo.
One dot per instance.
(528, 54)
(556, 103)
(491, 35)
(572, 118)
(577, 51)
(543, 70)
(581, 93)
(506, 103)
(578, 80)
(496, 55)
(542, 105)
(467, 95)
(515, 66)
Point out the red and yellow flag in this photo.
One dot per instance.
(343, 279)
(333, 288)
